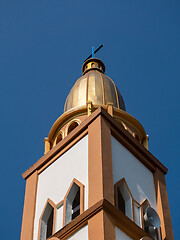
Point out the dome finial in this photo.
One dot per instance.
(94, 51)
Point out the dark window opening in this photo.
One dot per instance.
(72, 127)
(76, 205)
(121, 202)
(137, 137)
(50, 225)
(59, 138)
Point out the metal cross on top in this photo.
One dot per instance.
(94, 51)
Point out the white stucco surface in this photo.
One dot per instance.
(138, 177)
(120, 235)
(55, 180)
(80, 234)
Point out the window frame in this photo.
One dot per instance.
(78, 121)
(116, 188)
(52, 204)
(82, 187)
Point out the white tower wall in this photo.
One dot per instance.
(54, 182)
(80, 234)
(138, 177)
(120, 235)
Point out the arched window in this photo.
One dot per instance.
(47, 221)
(123, 198)
(74, 201)
(72, 127)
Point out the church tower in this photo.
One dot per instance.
(97, 179)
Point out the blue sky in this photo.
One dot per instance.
(42, 47)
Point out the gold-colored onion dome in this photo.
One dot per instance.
(94, 86)
(91, 91)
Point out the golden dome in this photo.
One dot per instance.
(91, 91)
(94, 86)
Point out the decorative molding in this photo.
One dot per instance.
(89, 107)
(110, 108)
(47, 145)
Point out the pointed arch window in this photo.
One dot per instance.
(73, 201)
(123, 198)
(47, 221)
